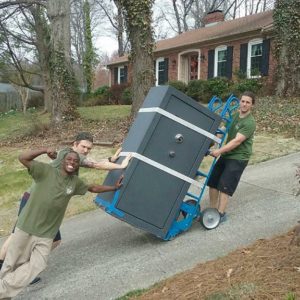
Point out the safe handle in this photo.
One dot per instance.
(179, 138)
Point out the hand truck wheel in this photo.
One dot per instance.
(210, 218)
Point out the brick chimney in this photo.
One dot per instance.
(213, 17)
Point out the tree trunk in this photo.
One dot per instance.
(138, 15)
(120, 28)
(89, 56)
(178, 22)
(43, 48)
(64, 91)
(142, 74)
(287, 47)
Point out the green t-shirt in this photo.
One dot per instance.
(245, 126)
(45, 209)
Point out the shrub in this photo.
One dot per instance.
(197, 89)
(219, 86)
(179, 85)
(102, 91)
(95, 100)
(253, 85)
(116, 92)
(126, 98)
(36, 99)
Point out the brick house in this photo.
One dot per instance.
(221, 48)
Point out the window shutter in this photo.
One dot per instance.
(166, 70)
(265, 57)
(243, 58)
(229, 62)
(125, 74)
(115, 75)
(210, 65)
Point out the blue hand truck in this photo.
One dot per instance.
(190, 209)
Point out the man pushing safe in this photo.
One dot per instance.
(39, 221)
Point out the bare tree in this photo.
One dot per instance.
(24, 95)
(112, 11)
(42, 29)
(183, 15)
(18, 46)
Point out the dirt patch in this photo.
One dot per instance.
(268, 269)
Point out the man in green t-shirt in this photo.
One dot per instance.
(82, 144)
(234, 156)
(39, 221)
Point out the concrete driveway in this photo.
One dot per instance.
(104, 258)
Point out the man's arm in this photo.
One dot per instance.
(28, 156)
(229, 146)
(94, 188)
(106, 165)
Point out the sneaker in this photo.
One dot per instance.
(223, 217)
(35, 280)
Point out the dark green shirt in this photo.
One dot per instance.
(245, 126)
(50, 195)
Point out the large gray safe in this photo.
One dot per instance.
(150, 198)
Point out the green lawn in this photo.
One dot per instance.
(16, 123)
(105, 112)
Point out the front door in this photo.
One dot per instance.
(188, 66)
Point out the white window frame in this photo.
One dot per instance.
(119, 73)
(219, 48)
(250, 44)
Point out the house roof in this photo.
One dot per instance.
(220, 30)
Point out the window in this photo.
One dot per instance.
(161, 72)
(255, 53)
(220, 61)
(121, 75)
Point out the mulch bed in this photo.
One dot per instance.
(268, 269)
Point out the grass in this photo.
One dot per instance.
(105, 112)
(16, 123)
(132, 294)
